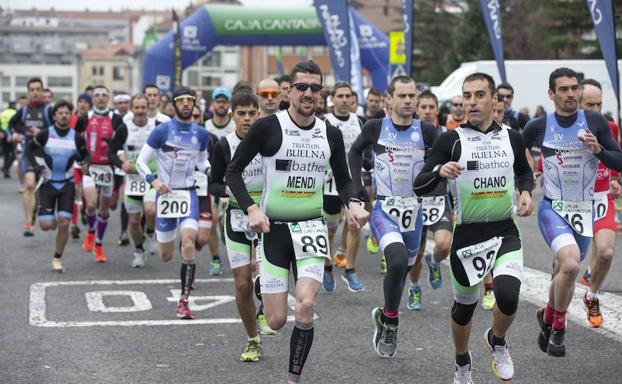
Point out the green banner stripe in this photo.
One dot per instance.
(230, 20)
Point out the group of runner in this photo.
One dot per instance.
(276, 175)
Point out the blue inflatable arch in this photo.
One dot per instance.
(213, 25)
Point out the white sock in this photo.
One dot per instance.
(592, 295)
(415, 284)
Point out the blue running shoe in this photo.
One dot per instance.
(414, 298)
(352, 281)
(434, 272)
(215, 267)
(329, 281)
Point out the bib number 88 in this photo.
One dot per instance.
(138, 187)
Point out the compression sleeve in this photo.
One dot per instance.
(611, 155)
(338, 164)
(116, 145)
(142, 162)
(533, 133)
(219, 165)
(82, 151)
(523, 175)
(368, 135)
(445, 149)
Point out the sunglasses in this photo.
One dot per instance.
(268, 92)
(302, 87)
(183, 99)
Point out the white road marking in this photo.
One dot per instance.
(95, 301)
(38, 315)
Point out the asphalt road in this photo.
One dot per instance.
(110, 323)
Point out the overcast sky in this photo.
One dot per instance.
(134, 4)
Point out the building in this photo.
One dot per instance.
(112, 67)
(61, 78)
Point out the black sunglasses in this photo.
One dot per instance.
(302, 87)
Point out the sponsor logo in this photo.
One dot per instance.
(190, 31)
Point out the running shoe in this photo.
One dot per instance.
(28, 231)
(340, 258)
(124, 239)
(556, 345)
(502, 365)
(383, 265)
(100, 256)
(215, 267)
(57, 265)
(385, 335)
(586, 280)
(372, 245)
(592, 308)
(462, 375)
(488, 302)
(545, 330)
(352, 281)
(329, 281)
(139, 259)
(75, 232)
(152, 245)
(183, 310)
(89, 242)
(414, 298)
(434, 272)
(264, 328)
(252, 350)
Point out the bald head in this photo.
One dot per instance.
(591, 98)
(268, 92)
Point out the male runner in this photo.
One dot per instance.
(84, 105)
(152, 93)
(437, 216)
(139, 197)
(221, 124)
(98, 127)
(513, 118)
(486, 163)
(268, 93)
(284, 82)
(180, 147)
(456, 116)
(296, 148)
(59, 146)
(399, 143)
(573, 141)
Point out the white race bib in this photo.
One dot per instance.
(101, 174)
(433, 208)
(201, 182)
(478, 259)
(135, 185)
(174, 204)
(239, 223)
(330, 188)
(310, 238)
(576, 213)
(601, 205)
(403, 211)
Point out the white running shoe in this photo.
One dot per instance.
(139, 259)
(462, 375)
(152, 245)
(502, 365)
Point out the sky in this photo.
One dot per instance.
(104, 5)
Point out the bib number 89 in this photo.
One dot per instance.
(318, 245)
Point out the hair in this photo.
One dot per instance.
(398, 79)
(22, 97)
(283, 78)
(101, 86)
(342, 84)
(592, 82)
(34, 80)
(243, 98)
(150, 85)
(242, 85)
(88, 88)
(505, 86)
(427, 94)
(308, 66)
(138, 96)
(560, 72)
(375, 92)
(481, 76)
(48, 90)
(166, 95)
(62, 104)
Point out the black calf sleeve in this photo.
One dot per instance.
(506, 290)
(397, 270)
(462, 314)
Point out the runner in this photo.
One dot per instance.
(511, 117)
(98, 127)
(84, 105)
(121, 104)
(295, 147)
(437, 216)
(221, 124)
(373, 104)
(457, 117)
(399, 143)
(268, 92)
(485, 162)
(345, 257)
(573, 141)
(152, 93)
(180, 147)
(239, 239)
(284, 86)
(139, 198)
(58, 146)
(23, 126)
(8, 150)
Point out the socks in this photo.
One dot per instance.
(102, 223)
(463, 360)
(487, 287)
(328, 268)
(187, 277)
(299, 347)
(57, 255)
(415, 285)
(388, 317)
(434, 263)
(494, 340)
(559, 319)
(349, 270)
(124, 218)
(91, 219)
(548, 314)
(591, 295)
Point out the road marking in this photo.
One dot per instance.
(38, 315)
(535, 290)
(95, 301)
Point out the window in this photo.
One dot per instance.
(101, 70)
(192, 78)
(21, 81)
(94, 70)
(6, 97)
(212, 59)
(60, 81)
(117, 72)
(210, 81)
(6, 81)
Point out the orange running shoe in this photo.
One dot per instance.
(100, 257)
(592, 308)
(89, 240)
(340, 258)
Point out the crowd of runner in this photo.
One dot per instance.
(272, 172)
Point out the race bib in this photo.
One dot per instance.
(174, 204)
(478, 259)
(403, 211)
(135, 185)
(239, 223)
(330, 188)
(601, 205)
(200, 180)
(310, 239)
(432, 208)
(578, 214)
(101, 174)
